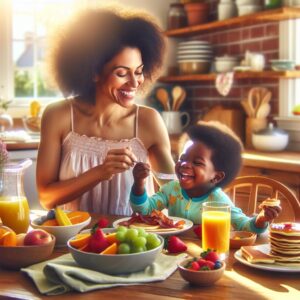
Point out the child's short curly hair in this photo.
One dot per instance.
(225, 144)
(80, 49)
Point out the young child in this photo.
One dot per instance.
(210, 160)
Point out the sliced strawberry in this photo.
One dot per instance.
(176, 245)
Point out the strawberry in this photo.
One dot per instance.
(210, 264)
(198, 231)
(194, 266)
(98, 242)
(201, 262)
(103, 223)
(175, 245)
(210, 255)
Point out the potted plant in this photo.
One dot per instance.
(6, 121)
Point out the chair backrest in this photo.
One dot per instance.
(247, 192)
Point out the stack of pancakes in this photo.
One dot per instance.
(285, 243)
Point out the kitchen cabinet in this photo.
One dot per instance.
(283, 13)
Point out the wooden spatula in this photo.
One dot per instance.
(163, 97)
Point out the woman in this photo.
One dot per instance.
(90, 141)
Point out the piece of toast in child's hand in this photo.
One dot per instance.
(269, 202)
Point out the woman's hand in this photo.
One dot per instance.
(140, 172)
(267, 214)
(117, 161)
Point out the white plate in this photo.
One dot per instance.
(268, 267)
(188, 224)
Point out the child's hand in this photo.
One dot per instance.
(140, 172)
(267, 214)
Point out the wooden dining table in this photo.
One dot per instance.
(238, 282)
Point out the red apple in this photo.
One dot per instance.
(37, 237)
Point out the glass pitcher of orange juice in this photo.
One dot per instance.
(216, 224)
(14, 208)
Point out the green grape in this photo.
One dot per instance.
(137, 249)
(124, 248)
(152, 241)
(131, 234)
(139, 241)
(122, 228)
(142, 232)
(121, 236)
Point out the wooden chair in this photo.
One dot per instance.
(247, 192)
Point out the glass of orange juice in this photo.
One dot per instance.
(216, 227)
(14, 208)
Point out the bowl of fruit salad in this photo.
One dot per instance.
(204, 270)
(115, 251)
(63, 225)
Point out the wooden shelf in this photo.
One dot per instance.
(283, 13)
(238, 75)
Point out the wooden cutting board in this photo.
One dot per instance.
(233, 118)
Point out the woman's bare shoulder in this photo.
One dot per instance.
(58, 113)
(148, 114)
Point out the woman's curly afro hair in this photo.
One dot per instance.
(80, 49)
(224, 143)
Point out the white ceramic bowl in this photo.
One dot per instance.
(118, 263)
(62, 233)
(223, 66)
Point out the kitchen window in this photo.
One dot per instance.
(25, 25)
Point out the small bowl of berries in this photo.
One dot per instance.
(204, 270)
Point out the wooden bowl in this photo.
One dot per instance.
(200, 278)
(15, 258)
(241, 238)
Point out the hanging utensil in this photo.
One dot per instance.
(176, 94)
(180, 100)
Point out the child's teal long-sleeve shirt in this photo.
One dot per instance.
(178, 203)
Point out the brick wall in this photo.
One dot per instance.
(261, 38)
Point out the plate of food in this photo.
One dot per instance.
(258, 257)
(156, 222)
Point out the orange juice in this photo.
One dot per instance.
(216, 230)
(14, 213)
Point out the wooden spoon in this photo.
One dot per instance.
(263, 110)
(163, 97)
(176, 94)
(180, 100)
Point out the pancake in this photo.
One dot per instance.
(285, 242)
(253, 255)
(270, 202)
(144, 226)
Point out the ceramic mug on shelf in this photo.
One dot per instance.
(175, 121)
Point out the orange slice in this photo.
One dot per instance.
(111, 238)
(112, 249)
(81, 241)
(51, 222)
(8, 239)
(78, 216)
